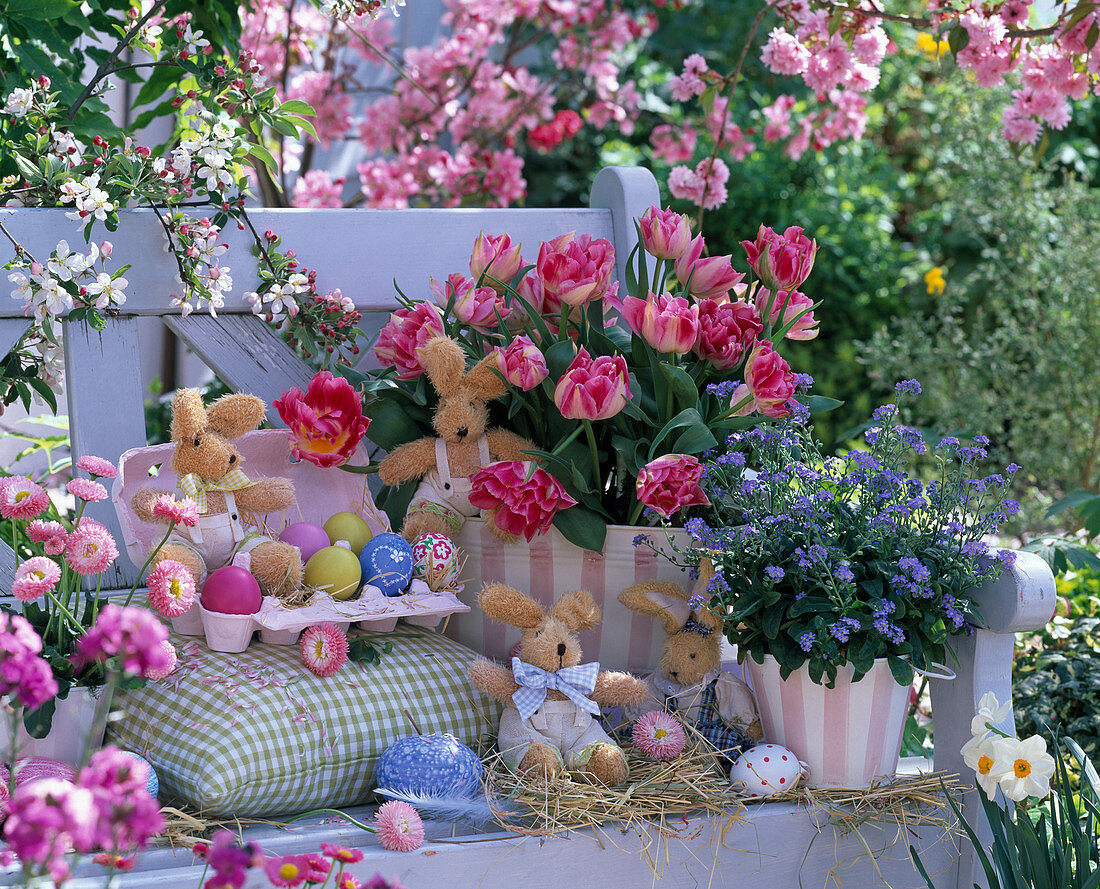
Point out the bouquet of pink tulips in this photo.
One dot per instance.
(620, 391)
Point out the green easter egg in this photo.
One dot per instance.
(334, 570)
(348, 526)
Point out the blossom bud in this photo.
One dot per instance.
(37, 268)
(105, 248)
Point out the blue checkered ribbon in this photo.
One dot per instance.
(573, 682)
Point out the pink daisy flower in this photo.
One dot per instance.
(318, 868)
(114, 862)
(399, 826)
(171, 588)
(132, 634)
(158, 673)
(658, 735)
(287, 870)
(52, 534)
(324, 649)
(86, 489)
(20, 498)
(182, 512)
(340, 853)
(347, 881)
(34, 578)
(97, 466)
(90, 548)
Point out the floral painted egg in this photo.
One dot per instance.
(765, 770)
(387, 562)
(435, 561)
(429, 765)
(152, 783)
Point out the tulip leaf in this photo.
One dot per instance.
(687, 417)
(395, 501)
(582, 527)
(391, 424)
(695, 439)
(38, 722)
(559, 356)
(820, 404)
(684, 390)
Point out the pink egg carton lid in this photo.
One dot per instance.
(320, 492)
(371, 610)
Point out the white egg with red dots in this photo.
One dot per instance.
(765, 770)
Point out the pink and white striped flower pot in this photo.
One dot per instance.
(848, 735)
(550, 565)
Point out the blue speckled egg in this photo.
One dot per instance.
(430, 765)
(152, 783)
(387, 562)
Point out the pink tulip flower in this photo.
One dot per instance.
(710, 278)
(669, 324)
(805, 328)
(495, 257)
(665, 234)
(726, 332)
(521, 363)
(574, 270)
(473, 305)
(526, 503)
(781, 262)
(408, 330)
(593, 389)
(326, 422)
(769, 384)
(671, 483)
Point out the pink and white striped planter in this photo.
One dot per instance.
(848, 735)
(550, 565)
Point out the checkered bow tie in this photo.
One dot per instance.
(194, 487)
(574, 682)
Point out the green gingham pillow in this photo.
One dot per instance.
(256, 734)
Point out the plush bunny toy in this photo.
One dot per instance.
(689, 679)
(551, 699)
(444, 464)
(208, 469)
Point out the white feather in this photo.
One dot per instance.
(452, 807)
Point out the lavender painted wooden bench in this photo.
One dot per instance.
(362, 252)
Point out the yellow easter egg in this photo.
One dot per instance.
(348, 526)
(334, 570)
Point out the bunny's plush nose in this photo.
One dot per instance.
(561, 649)
(462, 432)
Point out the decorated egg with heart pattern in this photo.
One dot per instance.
(765, 770)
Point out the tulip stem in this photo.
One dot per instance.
(569, 439)
(593, 451)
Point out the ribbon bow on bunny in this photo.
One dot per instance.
(574, 682)
(194, 487)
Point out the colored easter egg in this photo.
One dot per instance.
(231, 590)
(334, 570)
(350, 527)
(429, 765)
(307, 536)
(152, 783)
(435, 560)
(32, 768)
(387, 563)
(765, 770)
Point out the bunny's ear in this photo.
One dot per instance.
(445, 363)
(510, 606)
(188, 414)
(234, 415)
(484, 382)
(660, 599)
(577, 610)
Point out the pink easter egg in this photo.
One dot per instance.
(307, 536)
(231, 590)
(32, 768)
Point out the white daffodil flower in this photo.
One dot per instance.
(1024, 767)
